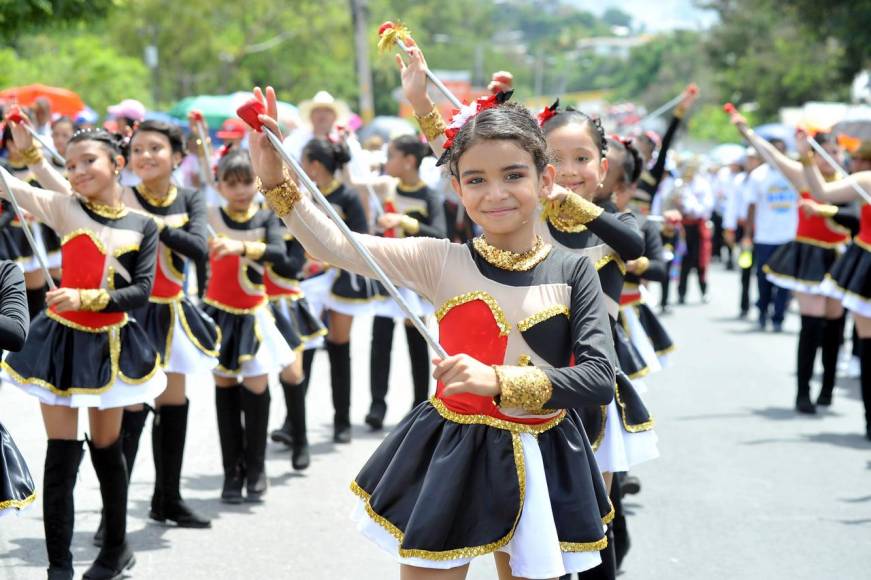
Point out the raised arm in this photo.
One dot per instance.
(46, 174)
(841, 191)
(414, 83)
(791, 169)
(658, 169)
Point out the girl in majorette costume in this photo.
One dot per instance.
(341, 293)
(849, 278)
(638, 320)
(498, 460)
(15, 245)
(85, 350)
(411, 209)
(653, 174)
(252, 347)
(17, 490)
(622, 433)
(801, 266)
(304, 333)
(186, 339)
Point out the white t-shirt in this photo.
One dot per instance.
(776, 206)
(736, 201)
(697, 198)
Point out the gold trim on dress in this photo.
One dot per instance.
(407, 187)
(165, 300)
(512, 261)
(241, 217)
(85, 232)
(486, 298)
(862, 244)
(766, 269)
(533, 428)
(525, 387)
(105, 210)
(543, 315)
(818, 243)
(605, 260)
(156, 200)
(646, 426)
(121, 250)
(234, 310)
(75, 326)
(93, 299)
(214, 352)
(19, 504)
(470, 552)
(601, 435)
(331, 187)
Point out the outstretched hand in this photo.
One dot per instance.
(801, 143)
(20, 134)
(265, 159)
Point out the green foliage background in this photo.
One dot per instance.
(773, 52)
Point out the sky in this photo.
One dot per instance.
(656, 15)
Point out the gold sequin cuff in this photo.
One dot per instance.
(575, 211)
(409, 225)
(32, 155)
(93, 299)
(523, 387)
(641, 265)
(807, 159)
(254, 250)
(432, 125)
(680, 111)
(827, 211)
(282, 197)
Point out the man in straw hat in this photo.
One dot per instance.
(319, 116)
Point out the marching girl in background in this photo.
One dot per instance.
(246, 237)
(801, 266)
(17, 490)
(341, 293)
(303, 332)
(412, 209)
(510, 300)
(849, 278)
(85, 350)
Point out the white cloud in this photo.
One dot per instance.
(656, 14)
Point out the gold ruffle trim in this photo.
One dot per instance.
(541, 316)
(75, 326)
(605, 260)
(512, 261)
(572, 214)
(819, 244)
(601, 435)
(470, 552)
(19, 504)
(107, 211)
(233, 309)
(526, 387)
(486, 298)
(646, 426)
(157, 200)
(494, 422)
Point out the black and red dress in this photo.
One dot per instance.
(251, 344)
(98, 356)
(849, 278)
(187, 339)
(462, 476)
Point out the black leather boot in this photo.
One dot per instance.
(256, 410)
(340, 376)
(865, 380)
(379, 370)
(418, 353)
(621, 541)
(115, 555)
(132, 424)
(168, 435)
(808, 343)
(228, 404)
(833, 337)
(284, 434)
(300, 457)
(62, 459)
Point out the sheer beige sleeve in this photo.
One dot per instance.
(415, 263)
(43, 204)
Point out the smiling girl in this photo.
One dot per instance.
(497, 462)
(84, 350)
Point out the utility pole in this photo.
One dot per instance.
(359, 10)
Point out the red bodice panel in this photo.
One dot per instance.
(225, 285)
(818, 228)
(84, 265)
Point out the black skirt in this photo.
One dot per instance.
(11, 239)
(851, 275)
(158, 321)
(66, 361)
(240, 338)
(17, 490)
(296, 321)
(447, 489)
(800, 266)
(353, 288)
(656, 332)
(630, 360)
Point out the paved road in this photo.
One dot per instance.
(744, 489)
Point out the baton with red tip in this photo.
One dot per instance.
(16, 117)
(250, 112)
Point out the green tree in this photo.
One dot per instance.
(18, 17)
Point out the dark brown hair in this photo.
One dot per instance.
(593, 124)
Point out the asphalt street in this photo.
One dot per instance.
(744, 488)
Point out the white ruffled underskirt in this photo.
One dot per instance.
(184, 356)
(273, 353)
(621, 450)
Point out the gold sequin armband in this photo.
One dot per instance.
(574, 211)
(680, 111)
(409, 225)
(32, 155)
(93, 300)
(523, 387)
(432, 125)
(282, 197)
(827, 211)
(641, 265)
(254, 250)
(807, 159)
